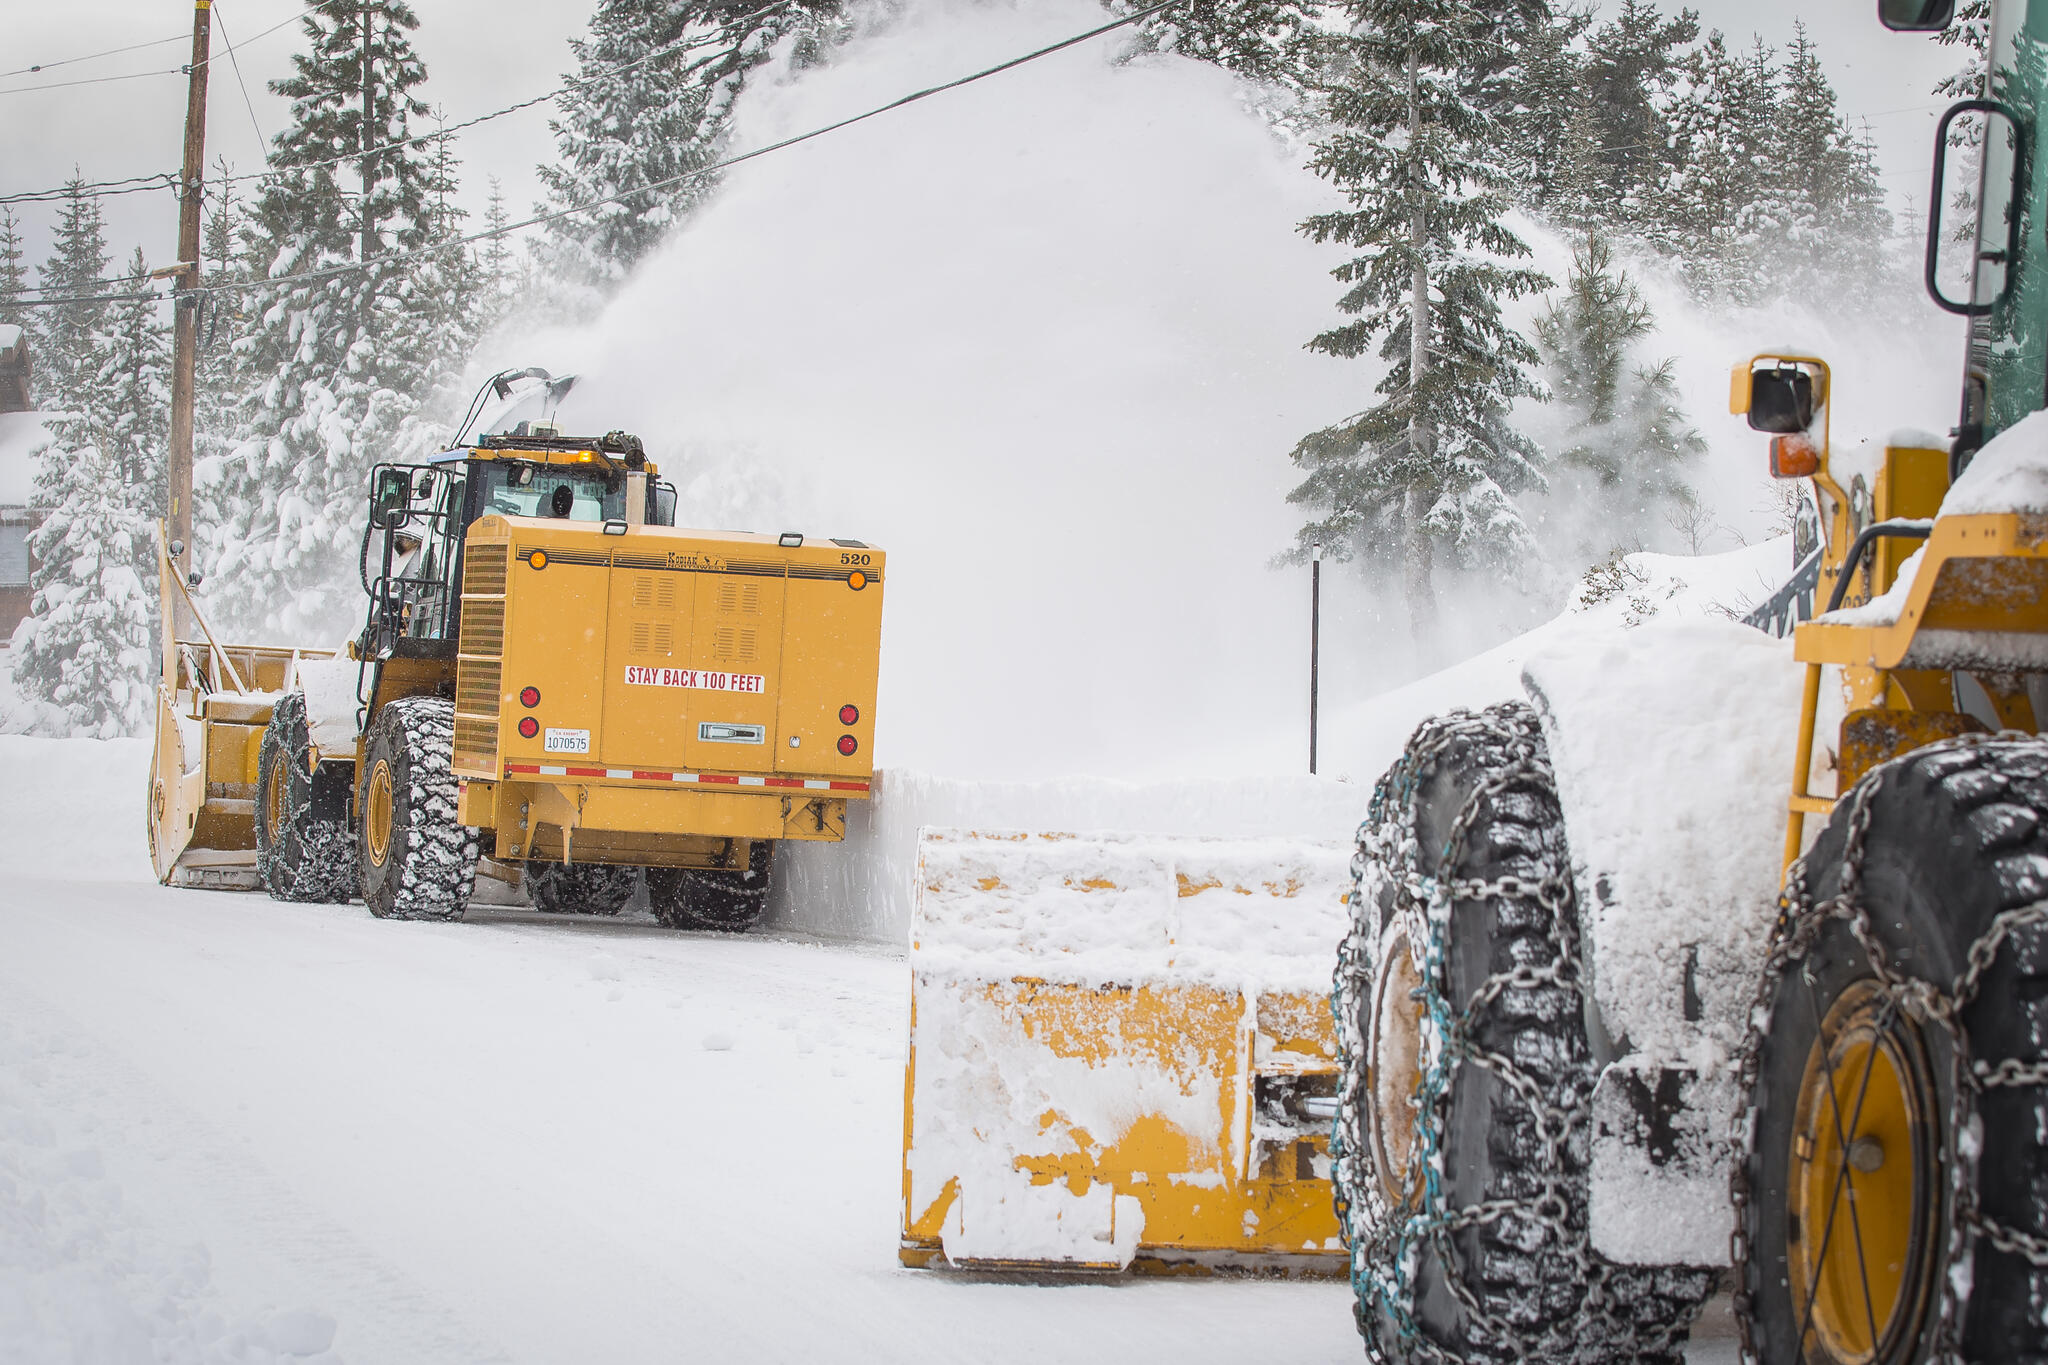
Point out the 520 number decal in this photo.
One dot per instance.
(853, 559)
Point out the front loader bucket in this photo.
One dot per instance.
(1121, 1053)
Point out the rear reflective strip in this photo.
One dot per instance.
(688, 779)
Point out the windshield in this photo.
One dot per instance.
(573, 492)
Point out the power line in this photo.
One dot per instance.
(236, 63)
(88, 57)
(138, 75)
(400, 258)
(165, 181)
(162, 180)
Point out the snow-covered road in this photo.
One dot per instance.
(516, 1138)
(523, 1138)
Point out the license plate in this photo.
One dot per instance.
(568, 741)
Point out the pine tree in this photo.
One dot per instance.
(1552, 140)
(1720, 212)
(499, 273)
(337, 364)
(85, 647)
(1432, 468)
(1836, 226)
(13, 276)
(218, 381)
(651, 102)
(1632, 62)
(1970, 30)
(1626, 439)
(1262, 40)
(70, 355)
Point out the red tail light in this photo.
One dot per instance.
(849, 714)
(528, 727)
(847, 744)
(529, 696)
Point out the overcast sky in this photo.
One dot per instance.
(482, 54)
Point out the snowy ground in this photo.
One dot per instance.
(236, 1130)
(505, 1139)
(231, 1128)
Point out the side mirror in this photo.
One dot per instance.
(1916, 16)
(1780, 401)
(1982, 258)
(390, 499)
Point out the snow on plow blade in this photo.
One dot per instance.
(1121, 1053)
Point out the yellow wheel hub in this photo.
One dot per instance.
(1395, 1070)
(1860, 1237)
(273, 806)
(377, 813)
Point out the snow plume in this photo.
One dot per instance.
(1041, 339)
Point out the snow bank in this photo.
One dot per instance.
(2010, 474)
(74, 807)
(84, 1280)
(861, 888)
(1363, 740)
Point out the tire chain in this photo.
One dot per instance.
(1389, 858)
(1798, 927)
(330, 872)
(454, 848)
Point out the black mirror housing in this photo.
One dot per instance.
(390, 499)
(1916, 16)
(1780, 401)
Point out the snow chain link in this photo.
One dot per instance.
(1386, 1248)
(1800, 922)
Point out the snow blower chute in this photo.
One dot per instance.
(1121, 1053)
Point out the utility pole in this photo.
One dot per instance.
(1315, 644)
(185, 309)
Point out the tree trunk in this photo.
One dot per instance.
(1419, 553)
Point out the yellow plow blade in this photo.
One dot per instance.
(1121, 1053)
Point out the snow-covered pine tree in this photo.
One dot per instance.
(1551, 137)
(1971, 31)
(1624, 441)
(337, 363)
(651, 100)
(1719, 212)
(70, 355)
(1270, 41)
(218, 381)
(1431, 470)
(85, 646)
(497, 268)
(1836, 226)
(1632, 62)
(13, 274)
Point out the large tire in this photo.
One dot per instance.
(699, 898)
(1462, 1133)
(416, 861)
(305, 849)
(1912, 952)
(579, 888)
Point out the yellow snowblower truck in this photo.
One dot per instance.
(1623, 1014)
(552, 676)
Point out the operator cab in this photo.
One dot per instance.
(420, 514)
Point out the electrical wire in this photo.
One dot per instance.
(441, 248)
(185, 70)
(236, 63)
(167, 181)
(88, 57)
(134, 184)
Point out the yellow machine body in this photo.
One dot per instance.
(695, 691)
(213, 702)
(689, 689)
(1121, 1054)
(1951, 654)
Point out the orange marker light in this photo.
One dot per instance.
(1794, 456)
(856, 580)
(539, 559)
